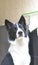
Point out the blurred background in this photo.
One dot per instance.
(13, 9)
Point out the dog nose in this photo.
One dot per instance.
(20, 32)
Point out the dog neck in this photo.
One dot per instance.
(20, 42)
(19, 49)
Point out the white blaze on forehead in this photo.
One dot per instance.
(18, 30)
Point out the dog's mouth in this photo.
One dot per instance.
(20, 38)
(20, 35)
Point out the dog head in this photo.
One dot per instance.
(17, 30)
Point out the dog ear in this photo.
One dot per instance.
(8, 24)
(22, 21)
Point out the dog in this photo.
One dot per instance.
(18, 52)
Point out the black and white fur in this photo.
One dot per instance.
(19, 42)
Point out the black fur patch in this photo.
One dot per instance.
(22, 21)
(12, 28)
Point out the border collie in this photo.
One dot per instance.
(18, 52)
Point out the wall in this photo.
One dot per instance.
(13, 9)
(33, 22)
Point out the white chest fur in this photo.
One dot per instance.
(20, 52)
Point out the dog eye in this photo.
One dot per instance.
(15, 28)
(20, 26)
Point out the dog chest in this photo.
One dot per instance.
(20, 55)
